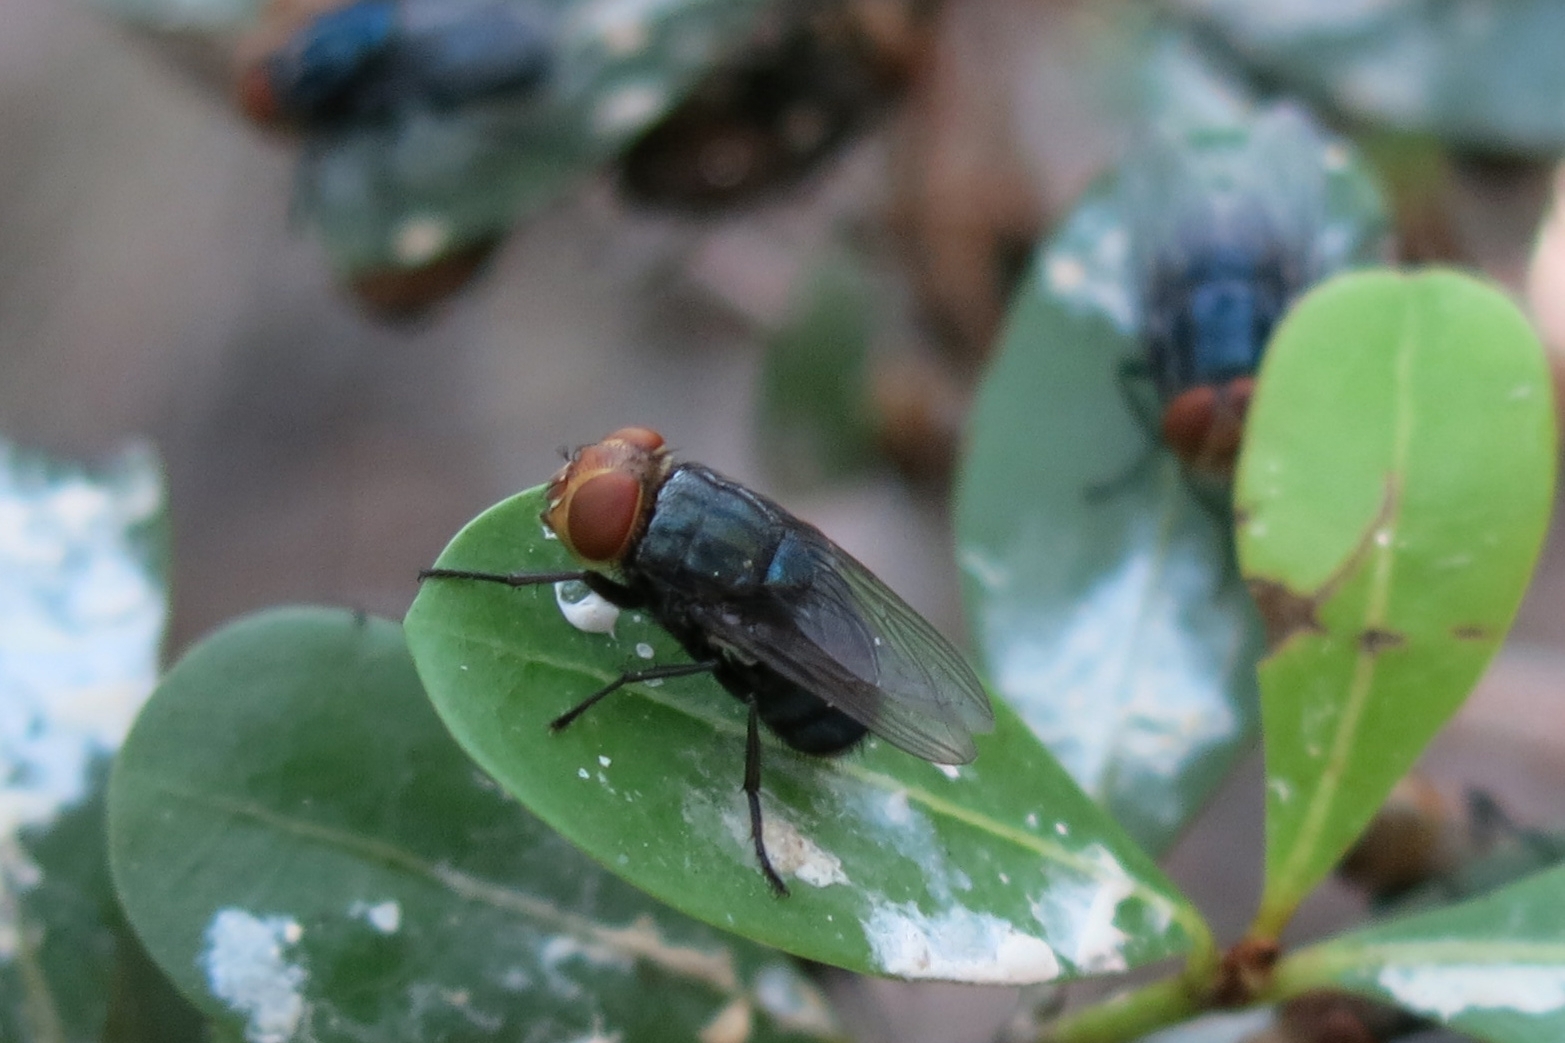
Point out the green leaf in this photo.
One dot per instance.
(1492, 968)
(429, 184)
(998, 871)
(1396, 481)
(304, 850)
(1484, 75)
(1115, 623)
(82, 609)
(814, 386)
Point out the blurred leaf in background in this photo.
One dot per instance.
(431, 127)
(307, 854)
(82, 610)
(408, 191)
(767, 115)
(1492, 967)
(1099, 578)
(1484, 75)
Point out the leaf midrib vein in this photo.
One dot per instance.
(1362, 680)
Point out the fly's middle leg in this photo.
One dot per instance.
(652, 673)
(752, 792)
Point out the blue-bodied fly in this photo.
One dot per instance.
(808, 639)
(1226, 230)
(370, 60)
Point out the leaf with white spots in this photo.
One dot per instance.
(1492, 968)
(309, 856)
(426, 184)
(82, 609)
(1482, 75)
(996, 871)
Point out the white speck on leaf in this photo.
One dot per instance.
(1078, 915)
(1446, 991)
(385, 917)
(791, 851)
(584, 609)
(420, 238)
(956, 944)
(247, 968)
(644, 650)
(794, 854)
(583, 773)
(604, 761)
(793, 1002)
(950, 771)
(628, 109)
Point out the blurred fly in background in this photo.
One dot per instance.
(1222, 240)
(371, 60)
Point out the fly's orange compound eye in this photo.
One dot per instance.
(599, 502)
(256, 97)
(643, 438)
(1237, 395)
(1187, 421)
(601, 515)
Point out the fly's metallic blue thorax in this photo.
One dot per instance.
(1211, 315)
(372, 59)
(706, 531)
(324, 59)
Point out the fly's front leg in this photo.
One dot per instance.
(752, 792)
(652, 673)
(510, 579)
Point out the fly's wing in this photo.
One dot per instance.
(831, 626)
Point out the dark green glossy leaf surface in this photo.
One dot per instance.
(1493, 967)
(814, 386)
(307, 853)
(428, 184)
(997, 871)
(1396, 482)
(1116, 623)
(1482, 74)
(82, 608)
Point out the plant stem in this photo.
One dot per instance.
(1130, 1015)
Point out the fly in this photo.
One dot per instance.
(813, 644)
(373, 60)
(1226, 228)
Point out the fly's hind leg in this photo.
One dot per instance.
(752, 793)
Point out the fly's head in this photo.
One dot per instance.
(600, 501)
(1204, 424)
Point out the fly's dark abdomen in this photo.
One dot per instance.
(797, 716)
